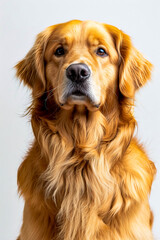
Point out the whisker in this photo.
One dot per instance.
(39, 95)
(51, 94)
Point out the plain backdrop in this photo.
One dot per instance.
(20, 21)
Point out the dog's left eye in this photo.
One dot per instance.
(59, 52)
(101, 52)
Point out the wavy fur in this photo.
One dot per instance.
(85, 176)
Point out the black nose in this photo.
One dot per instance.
(78, 72)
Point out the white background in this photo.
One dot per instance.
(20, 21)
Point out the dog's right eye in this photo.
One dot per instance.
(101, 52)
(59, 52)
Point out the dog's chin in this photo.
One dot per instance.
(80, 101)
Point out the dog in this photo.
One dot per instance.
(85, 175)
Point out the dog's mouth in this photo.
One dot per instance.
(78, 93)
(80, 97)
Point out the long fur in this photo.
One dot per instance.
(85, 176)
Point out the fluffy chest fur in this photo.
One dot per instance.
(78, 183)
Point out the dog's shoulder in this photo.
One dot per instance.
(135, 172)
(136, 159)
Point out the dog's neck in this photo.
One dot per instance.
(81, 145)
(85, 129)
(81, 129)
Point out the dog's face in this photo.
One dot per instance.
(83, 63)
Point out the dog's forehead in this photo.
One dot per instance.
(81, 31)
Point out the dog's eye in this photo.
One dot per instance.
(59, 52)
(101, 52)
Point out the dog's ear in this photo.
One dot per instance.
(31, 69)
(134, 69)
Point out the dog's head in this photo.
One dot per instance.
(83, 63)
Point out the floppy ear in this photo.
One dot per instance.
(134, 70)
(31, 70)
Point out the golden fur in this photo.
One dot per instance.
(85, 177)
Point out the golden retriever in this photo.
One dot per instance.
(85, 177)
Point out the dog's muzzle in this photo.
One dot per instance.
(79, 89)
